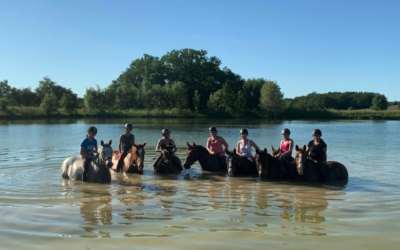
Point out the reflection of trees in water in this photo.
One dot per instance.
(96, 209)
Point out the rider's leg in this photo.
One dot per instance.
(322, 170)
(121, 158)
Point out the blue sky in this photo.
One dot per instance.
(303, 45)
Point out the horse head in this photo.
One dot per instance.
(262, 163)
(138, 153)
(274, 151)
(301, 157)
(167, 158)
(105, 152)
(193, 155)
(232, 161)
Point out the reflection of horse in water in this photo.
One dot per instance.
(208, 162)
(308, 169)
(96, 206)
(98, 169)
(238, 165)
(134, 160)
(167, 162)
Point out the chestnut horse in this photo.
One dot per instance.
(269, 167)
(238, 165)
(308, 169)
(167, 163)
(98, 169)
(208, 162)
(134, 160)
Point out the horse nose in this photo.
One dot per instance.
(109, 163)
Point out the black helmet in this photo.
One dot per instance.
(128, 125)
(212, 129)
(316, 132)
(285, 131)
(244, 131)
(92, 129)
(164, 131)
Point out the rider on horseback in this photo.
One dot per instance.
(126, 141)
(317, 152)
(214, 146)
(166, 141)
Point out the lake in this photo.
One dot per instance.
(195, 209)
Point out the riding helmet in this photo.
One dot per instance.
(128, 125)
(211, 129)
(317, 132)
(164, 131)
(285, 131)
(244, 131)
(92, 129)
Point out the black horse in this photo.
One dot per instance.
(208, 162)
(269, 167)
(167, 162)
(238, 165)
(308, 169)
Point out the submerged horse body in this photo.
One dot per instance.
(238, 165)
(207, 161)
(134, 160)
(167, 162)
(308, 169)
(98, 170)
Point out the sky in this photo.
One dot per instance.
(304, 45)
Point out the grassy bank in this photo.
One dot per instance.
(37, 113)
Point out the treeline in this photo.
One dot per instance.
(188, 81)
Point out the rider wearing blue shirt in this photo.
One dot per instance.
(88, 147)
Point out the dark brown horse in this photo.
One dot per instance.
(208, 162)
(134, 160)
(167, 164)
(308, 169)
(269, 167)
(238, 165)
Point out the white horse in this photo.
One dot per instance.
(98, 170)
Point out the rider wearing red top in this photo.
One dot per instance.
(286, 147)
(214, 146)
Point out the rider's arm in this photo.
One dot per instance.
(324, 149)
(158, 146)
(82, 152)
(173, 143)
(238, 148)
(120, 143)
(225, 143)
(208, 146)
(254, 145)
(133, 139)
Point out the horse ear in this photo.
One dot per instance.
(304, 147)
(265, 150)
(194, 144)
(188, 144)
(102, 143)
(297, 147)
(144, 144)
(234, 151)
(257, 151)
(134, 145)
(272, 147)
(109, 143)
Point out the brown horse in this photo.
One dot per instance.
(307, 168)
(134, 160)
(167, 162)
(238, 165)
(269, 167)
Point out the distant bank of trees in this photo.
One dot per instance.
(185, 80)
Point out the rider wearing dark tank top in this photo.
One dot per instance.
(126, 142)
(316, 151)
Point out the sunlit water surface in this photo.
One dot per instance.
(195, 209)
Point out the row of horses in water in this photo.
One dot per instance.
(265, 165)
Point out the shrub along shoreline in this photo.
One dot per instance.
(37, 113)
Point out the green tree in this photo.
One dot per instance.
(379, 102)
(4, 103)
(94, 100)
(271, 100)
(69, 103)
(177, 96)
(4, 88)
(49, 103)
(251, 91)
(196, 101)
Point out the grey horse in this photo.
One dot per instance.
(98, 171)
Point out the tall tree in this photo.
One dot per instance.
(271, 100)
(379, 102)
(49, 103)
